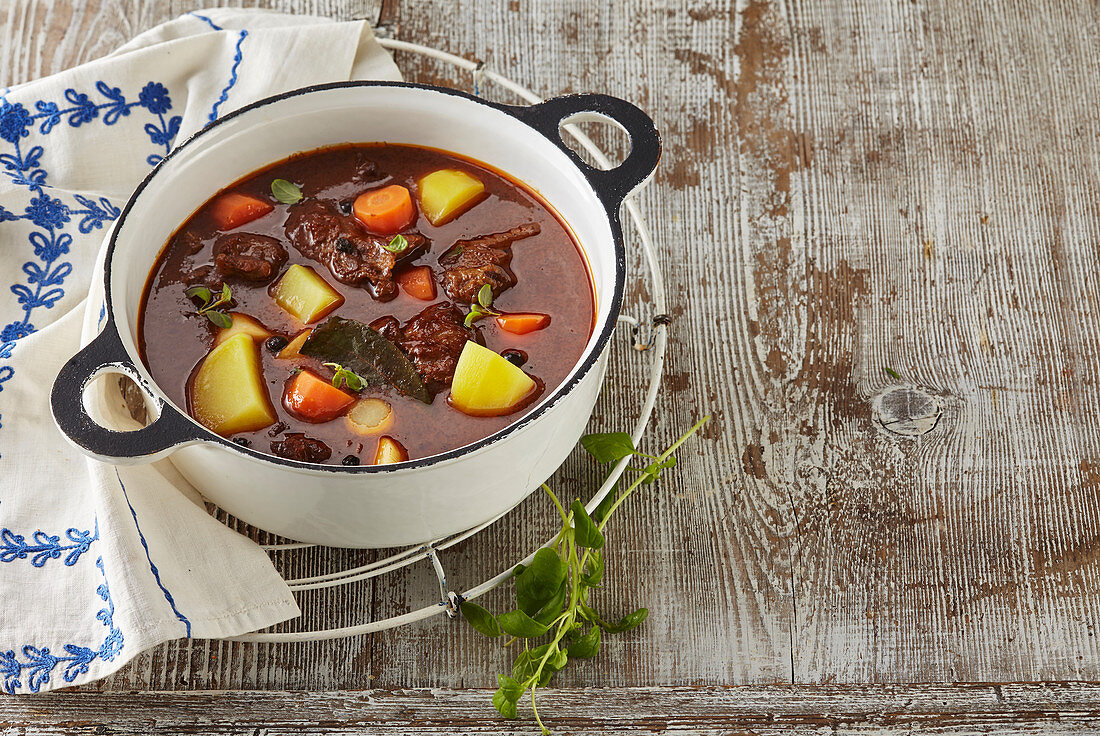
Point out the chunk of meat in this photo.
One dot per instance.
(318, 230)
(296, 446)
(249, 257)
(471, 264)
(432, 339)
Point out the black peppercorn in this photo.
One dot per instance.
(344, 245)
(515, 357)
(275, 343)
(242, 441)
(350, 460)
(345, 207)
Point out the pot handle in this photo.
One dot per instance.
(106, 354)
(613, 185)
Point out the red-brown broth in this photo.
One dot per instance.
(551, 272)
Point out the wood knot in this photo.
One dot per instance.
(907, 411)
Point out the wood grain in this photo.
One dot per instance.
(855, 198)
(1054, 708)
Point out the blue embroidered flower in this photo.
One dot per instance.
(15, 331)
(154, 98)
(47, 212)
(14, 121)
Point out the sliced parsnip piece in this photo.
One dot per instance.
(389, 451)
(304, 294)
(228, 393)
(486, 384)
(446, 193)
(242, 323)
(370, 416)
(291, 350)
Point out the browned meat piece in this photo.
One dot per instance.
(433, 340)
(470, 264)
(296, 446)
(249, 256)
(318, 230)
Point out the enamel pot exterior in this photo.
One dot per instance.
(365, 506)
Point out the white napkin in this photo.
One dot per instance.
(98, 563)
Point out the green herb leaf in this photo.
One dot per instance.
(605, 505)
(201, 292)
(226, 296)
(593, 570)
(552, 608)
(540, 581)
(631, 620)
(891, 372)
(584, 529)
(285, 191)
(505, 705)
(480, 619)
(360, 349)
(343, 377)
(397, 244)
(512, 690)
(587, 646)
(519, 624)
(608, 447)
(485, 296)
(221, 319)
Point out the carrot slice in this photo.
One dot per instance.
(385, 211)
(520, 323)
(312, 398)
(389, 451)
(418, 282)
(234, 209)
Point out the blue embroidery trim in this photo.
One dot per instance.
(44, 279)
(208, 22)
(45, 547)
(152, 567)
(232, 77)
(40, 662)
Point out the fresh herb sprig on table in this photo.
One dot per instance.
(552, 592)
(212, 304)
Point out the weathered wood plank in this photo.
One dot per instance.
(1066, 708)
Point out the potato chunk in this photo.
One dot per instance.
(446, 193)
(305, 295)
(389, 451)
(486, 384)
(228, 394)
(242, 323)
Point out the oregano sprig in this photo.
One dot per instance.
(213, 304)
(482, 308)
(341, 377)
(553, 618)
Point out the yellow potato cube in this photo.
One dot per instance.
(247, 325)
(228, 393)
(486, 384)
(446, 193)
(305, 295)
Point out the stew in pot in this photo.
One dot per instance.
(366, 304)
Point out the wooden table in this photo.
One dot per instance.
(880, 225)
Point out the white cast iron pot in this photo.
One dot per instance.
(364, 506)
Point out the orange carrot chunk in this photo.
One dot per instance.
(313, 399)
(234, 209)
(520, 323)
(385, 211)
(418, 282)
